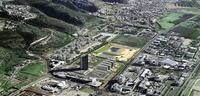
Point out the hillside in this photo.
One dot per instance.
(61, 19)
(76, 5)
(66, 11)
(116, 1)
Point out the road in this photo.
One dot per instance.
(192, 88)
(188, 79)
(29, 85)
(41, 39)
(195, 69)
(45, 39)
(148, 43)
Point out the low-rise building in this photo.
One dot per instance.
(55, 63)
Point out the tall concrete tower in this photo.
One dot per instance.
(84, 62)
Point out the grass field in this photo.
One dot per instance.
(189, 30)
(132, 41)
(31, 71)
(21, 84)
(7, 60)
(25, 74)
(86, 89)
(102, 49)
(173, 19)
(5, 87)
(2, 82)
(167, 22)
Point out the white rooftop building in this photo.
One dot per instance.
(169, 62)
(145, 73)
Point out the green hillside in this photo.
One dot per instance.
(61, 20)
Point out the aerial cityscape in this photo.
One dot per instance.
(99, 47)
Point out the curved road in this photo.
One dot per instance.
(30, 53)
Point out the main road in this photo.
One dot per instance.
(146, 45)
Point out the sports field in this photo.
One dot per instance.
(31, 71)
(121, 53)
(117, 51)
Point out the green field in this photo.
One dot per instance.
(102, 49)
(132, 41)
(25, 75)
(2, 83)
(189, 30)
(87, 90)
(8, 59)
(167, 22)
(31, 71)
(6, 87)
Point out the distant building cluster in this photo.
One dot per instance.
(123, 85)
(75, 48)
(7, 25)
(21, 11)
(138, 14)
(105, 37)
(172, 45)
(169, 57)
(10, 25)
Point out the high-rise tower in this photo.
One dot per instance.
(84, 62)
